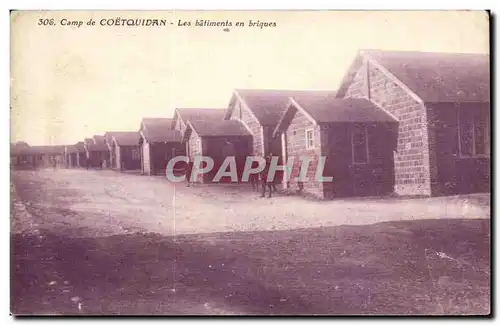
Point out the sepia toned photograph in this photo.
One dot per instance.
(250, 163)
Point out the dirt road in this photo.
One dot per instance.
(108, 202)
(94, 242)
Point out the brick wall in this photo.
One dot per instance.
(412, 160)
(252, 123)
(179, 125)
(194, 150)
(146, 158)
(118, 157)
(194, 145)
(296, 147)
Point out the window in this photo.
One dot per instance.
(472, 133)
(359, 140)
(309, 139)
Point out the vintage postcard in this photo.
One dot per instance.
(250, 163)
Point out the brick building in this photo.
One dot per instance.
(81, 154)
(442, 104)
(184, 115)
(37, 156)
(108, 139)
(355, 136)
(97, 152)
(218, 139)
(260, 110)
(126, 151)
(158, 144)
(71, 156)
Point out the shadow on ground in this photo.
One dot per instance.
(407, 267)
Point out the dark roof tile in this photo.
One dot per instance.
(329, 110)
(99, 138)
(98, 147)
(194, 114)
(219, 128)
(126, 138)
(434, 77)
(268, 104)
(159, 130)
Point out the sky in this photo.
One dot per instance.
(68, 83)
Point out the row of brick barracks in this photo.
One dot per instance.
(404, 123)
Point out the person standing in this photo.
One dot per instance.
(254, 178)
(264, 176)
(189, 172)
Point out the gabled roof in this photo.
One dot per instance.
(267, 105)
(433, 77)
(101, 146)
(91, 145)
(156, 121)
(126, 138)
(75, 148)
(194, 114)
(71, 148)
(18, 147)
(216, 128)
(108, 136)
(333, 110)
(20, 144)
(99, 138)
(80, 147)
(159, 130)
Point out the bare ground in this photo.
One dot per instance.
(98, 242)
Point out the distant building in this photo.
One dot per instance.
(24, 156)
(126, 151)
(218, 139)
(158, 143)
(97, 152)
